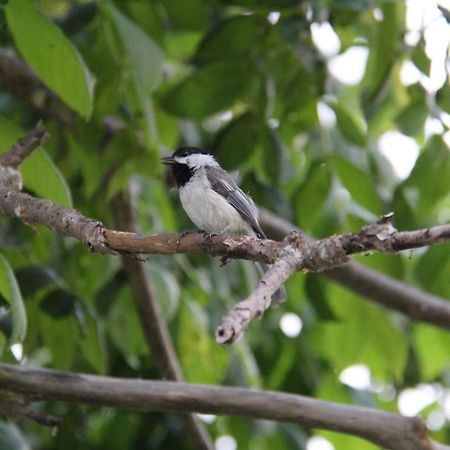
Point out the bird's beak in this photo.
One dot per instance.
(168, 160)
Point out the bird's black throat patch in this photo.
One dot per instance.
(182, 173)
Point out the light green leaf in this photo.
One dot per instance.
(11, 292)
(51, 55)
(359, 185)
(352, 127)
(144, 55)
(42, 176)
(39, 173)
(432, 346)
(11, 438)
(195, 346)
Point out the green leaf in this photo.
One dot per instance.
(220, 84)
(429, 179)
(420, 58)
(142, 53)
(412, 118)
(383, 51)
(312, 194)
(42, 177)
(240, 134)
(443, 97)
(92, 343)
(432, 346)
(9, 289)
(359, 185)
(352, 127)
(233, 38)
(193, 15)
(195, 346)
(51, 55)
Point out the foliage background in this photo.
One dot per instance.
(219, 75)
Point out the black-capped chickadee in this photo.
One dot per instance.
(211, 198)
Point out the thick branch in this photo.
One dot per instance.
(154, 325)
(19, 80)
(389, 430)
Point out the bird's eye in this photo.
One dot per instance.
(185, 153)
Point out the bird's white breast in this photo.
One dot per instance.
(209, 210)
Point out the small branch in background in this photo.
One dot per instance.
(154, 325)
(389, 430)
(15, 156)
(19, 80)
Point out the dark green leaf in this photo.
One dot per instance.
(429, 179)
(33, 278)
(59, 303)
(193, 15)
(420, 58)
(219, 84)
(232, 38)
(443, 97)
(51, 55)
(235, 143)
(412, 118)
(359, 185)
(9, 289)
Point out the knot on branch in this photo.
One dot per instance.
(94, 238)
(234, 323)
(11, 178)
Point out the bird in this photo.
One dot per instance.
(211, 198)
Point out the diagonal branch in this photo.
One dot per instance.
(389, 430)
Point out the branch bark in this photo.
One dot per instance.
(314, 256)
(389, 430)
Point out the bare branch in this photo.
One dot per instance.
(389, 430)
(23, 148)
(154, 326)
(375, 286)
(18, 79)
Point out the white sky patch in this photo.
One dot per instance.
(325, 39)
(409, 73)
(435, 420)
(433, 126)
(207, 418)
(291, 325)
(400, 150)
(17, 351)
(412, 400)
(349, 67)
(319, 443)
(425, 16)
(357, 377)
(226, 442)
(327, 117)
(445, 402)
(274, 17)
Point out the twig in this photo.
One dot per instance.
(389, 430)
(377, 287)
(154, 326)
(19, 80)
(15, 156)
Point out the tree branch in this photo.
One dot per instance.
(391, 431)
(154, 326)
(288, 256)
(19, 80)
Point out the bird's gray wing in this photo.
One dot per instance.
(222, 183)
